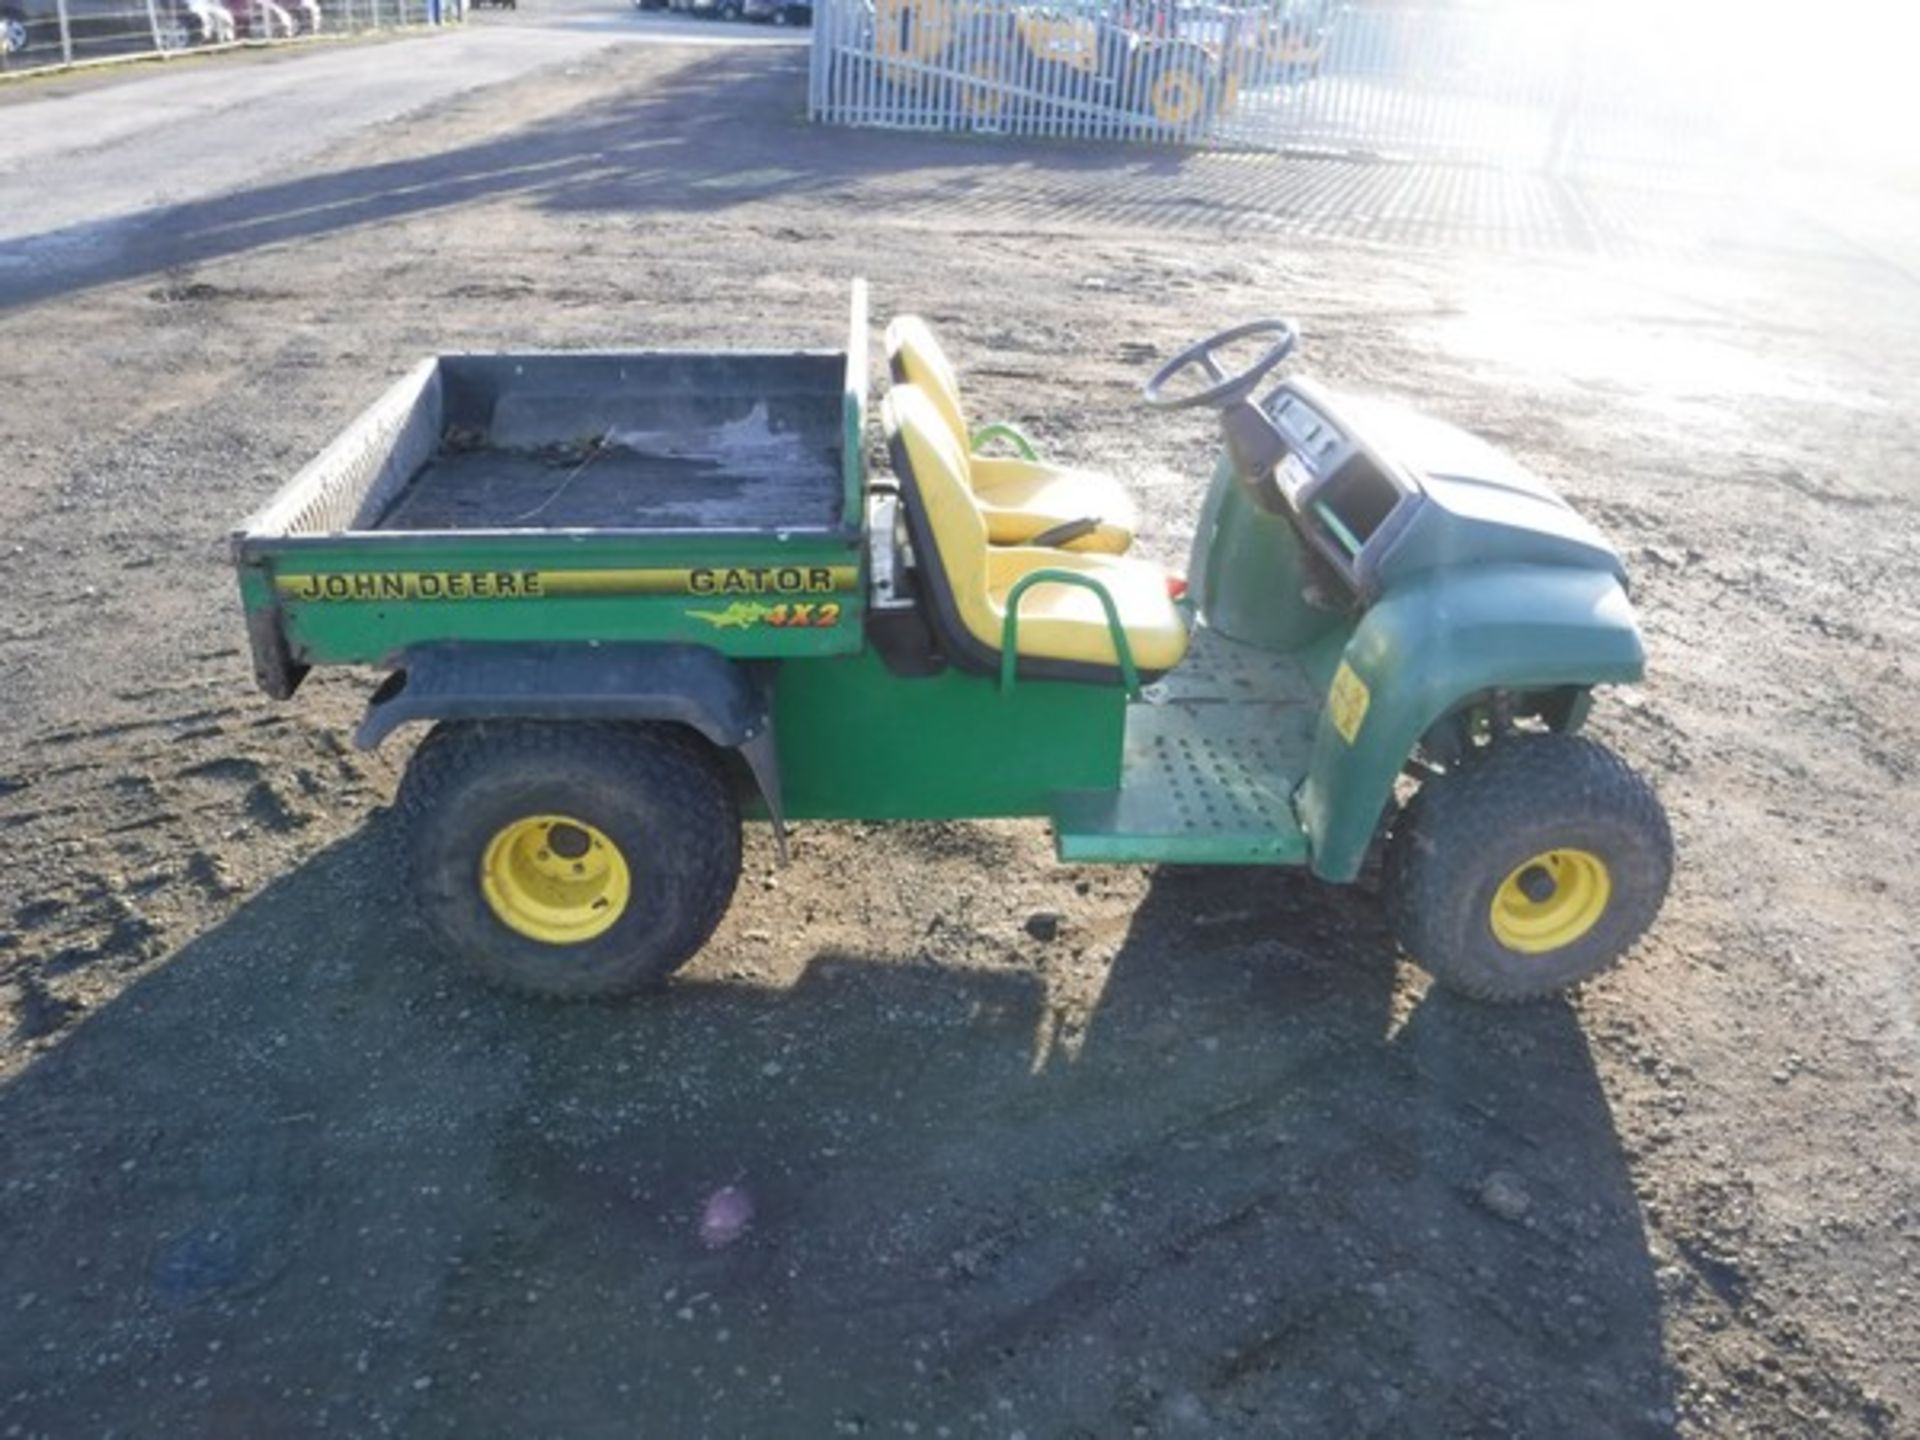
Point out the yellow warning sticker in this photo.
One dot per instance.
(1347, 702)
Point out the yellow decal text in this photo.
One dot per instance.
(775, 580)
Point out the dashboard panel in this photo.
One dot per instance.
(1341, 493)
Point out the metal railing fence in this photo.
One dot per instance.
(42, 34)
(1530, 82)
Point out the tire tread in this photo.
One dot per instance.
(682, 775)
(1451, 822)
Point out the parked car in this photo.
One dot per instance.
(100, 26)
(275, 19)
(778, 12)
(215, 21)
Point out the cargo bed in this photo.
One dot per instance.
(662, 442)
(713, 498)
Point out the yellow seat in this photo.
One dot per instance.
(1021, 499)
(1063, 630)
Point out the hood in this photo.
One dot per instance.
(1480, 504)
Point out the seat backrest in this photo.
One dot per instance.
(914, 357)
(949, 536)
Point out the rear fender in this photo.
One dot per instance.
(683, 684)
(1429, 645)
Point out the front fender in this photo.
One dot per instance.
(1430, 644)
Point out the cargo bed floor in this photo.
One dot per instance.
(613, 488)
(608, 460)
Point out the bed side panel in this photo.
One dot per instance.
(357, 476)
(359, 599)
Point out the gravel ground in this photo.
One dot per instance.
(1209, 1161)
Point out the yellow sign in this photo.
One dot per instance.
(1347, 702)
(539, 584)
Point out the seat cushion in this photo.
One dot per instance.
(1020, 499)
(1066, 623)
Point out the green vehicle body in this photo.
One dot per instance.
(1489, 593)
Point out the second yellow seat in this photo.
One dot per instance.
(1023, 500)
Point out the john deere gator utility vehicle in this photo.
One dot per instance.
(640, 596)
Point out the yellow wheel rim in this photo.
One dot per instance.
(1176, 97)
(1550, 901)
(555, 879)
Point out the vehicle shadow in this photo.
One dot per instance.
(727, 128)
(305, 1177)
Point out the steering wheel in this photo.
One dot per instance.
(1226, 389)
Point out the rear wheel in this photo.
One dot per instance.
(1529, 868)
(1174, 88)
(569, 859)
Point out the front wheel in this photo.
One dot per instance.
(1528, 868)
(570, 859)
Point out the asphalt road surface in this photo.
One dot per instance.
(88, 154)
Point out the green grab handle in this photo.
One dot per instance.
(1010, 630)
(1001, 430)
